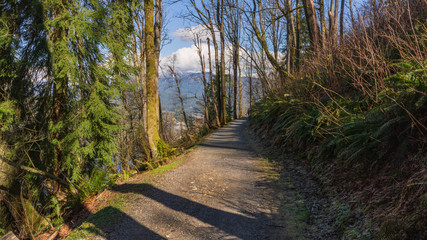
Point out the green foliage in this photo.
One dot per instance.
(164, 150)
(360, 118)
(55, 208)
(97, 182)
(342, 126)
(32, 218)
(66, 125)
(7, 115)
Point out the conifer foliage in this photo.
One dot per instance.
(63, 71)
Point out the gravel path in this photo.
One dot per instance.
(218, 193)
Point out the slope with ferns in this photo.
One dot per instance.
(358, 115)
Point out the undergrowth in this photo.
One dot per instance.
(348, 142)
(358, 114)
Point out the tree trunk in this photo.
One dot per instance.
(60, 89)
(152, 85)
(7, 174)
(157, 45)
(161, 123)
(218, 123)
(313, 27)
(143, 85)
(250, 86)
(342, 20)
(220, 17)
(172, 71)
(298, 37)
(141, 95)
(291, 36)
(218, 78)
(240, 91)
(322, 22)
(198, 44)
(235, 77)
(333, 15)
(351, 13)
(274, 38)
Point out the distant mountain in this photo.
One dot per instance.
(191, 90)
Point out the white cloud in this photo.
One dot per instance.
(187, 59)
(188, 34)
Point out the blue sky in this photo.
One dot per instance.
(175, 22)
(187, 59)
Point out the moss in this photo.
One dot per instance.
(152, 175)
(392, 229)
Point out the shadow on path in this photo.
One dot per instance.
(105, 218)
(233, 224)
(233, 147)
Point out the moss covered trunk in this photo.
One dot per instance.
(7, 173)
(151, 76)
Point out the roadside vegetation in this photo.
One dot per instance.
(357, 112)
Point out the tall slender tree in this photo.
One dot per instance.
(233, 26)
(342, 20)
(221, 81)
(153, 135)
(198, 43)
(214, 99)
(206, 16)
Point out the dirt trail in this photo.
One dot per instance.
(218, 193)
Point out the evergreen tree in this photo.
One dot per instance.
(63, 63)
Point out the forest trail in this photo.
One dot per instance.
(220, 192)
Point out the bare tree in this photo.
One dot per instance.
(206, 16)
(258, 62)
(198, 43)
(173, 73)
(260, 33)
(214, 99)
(221, 83)
(233, 27)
